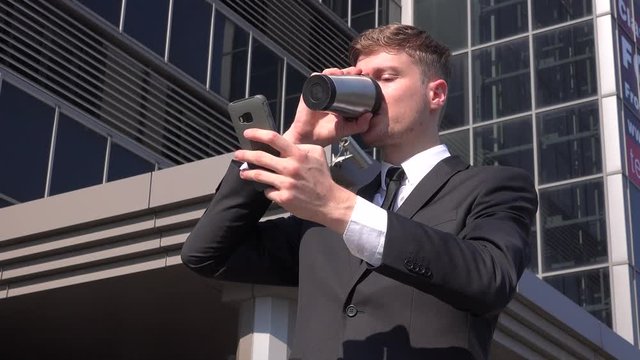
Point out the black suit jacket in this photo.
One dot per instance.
(453, 255)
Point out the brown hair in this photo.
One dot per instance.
(432, 56)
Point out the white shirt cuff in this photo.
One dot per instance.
(366, 231)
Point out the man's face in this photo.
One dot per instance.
(406, 115)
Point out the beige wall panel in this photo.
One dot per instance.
(175, 237)
(184, 215)
(84, 237)
(86, 275)
(173, 258)
(83, 257)
(188, 181)
(76, 207)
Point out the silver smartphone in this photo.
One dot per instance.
(252, 112)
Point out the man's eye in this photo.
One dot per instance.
(388, 77)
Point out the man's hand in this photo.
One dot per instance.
(323, 128)
(299, 180)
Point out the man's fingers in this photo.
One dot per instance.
(357, 126)
(272, 138)
(262, 176)
(347, 71)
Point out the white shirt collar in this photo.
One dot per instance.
(419, 165)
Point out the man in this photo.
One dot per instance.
(424, 279)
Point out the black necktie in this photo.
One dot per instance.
(393, 181)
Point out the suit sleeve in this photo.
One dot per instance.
(230, 243)
(478, 268)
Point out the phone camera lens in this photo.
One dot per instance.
(246, 118)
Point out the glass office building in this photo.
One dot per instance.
(101, 92)
(533, 88)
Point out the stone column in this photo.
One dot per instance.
(266, 322)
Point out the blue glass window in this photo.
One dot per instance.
(437, 17)
(26, 126)
(589, 289)
(146, 21)
(574, 231)
(363, 15)
(456, 113)
(79, 156)
(493, 20)
(551, 12)
(295, 80)
(189, 44)
(508, 143)
(108, 9)
(230, 56)
(124, 163)
(565, 64)
(501, 80)
(458, 143)
(266, 75)
(569, 143)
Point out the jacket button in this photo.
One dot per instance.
(351, 311)
(428, 274)
(408, 263)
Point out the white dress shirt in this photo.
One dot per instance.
(367, 229)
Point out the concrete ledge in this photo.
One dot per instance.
(75, 239)
(544, 310)
(86, 275)
(84, 257)
(189, 181)
(76, 207)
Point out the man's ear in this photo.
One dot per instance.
(438, 90)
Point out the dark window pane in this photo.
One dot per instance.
(551, 12)
(589, 289)
(497, 19)
(507, 143)
(363, 15)
(124, 163)
(189, 44)
(565, 64)
(229, 63)
(78, 159)
(146, 22)
(574, 232)
(533, 242)
(458, 143)
(569, 143)
(295, 80)
(5, 202)
(107, 9)
(437, 17)
(339, 7)
(501, 83)
(390, 11)
(25, 140)
(457, 110)
(266, 76)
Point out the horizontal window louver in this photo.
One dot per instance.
(305, 29)
(46, 46)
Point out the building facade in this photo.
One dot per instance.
(113, 135)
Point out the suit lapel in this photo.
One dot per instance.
(422, 194)
(430, 184)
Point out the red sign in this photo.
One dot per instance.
(632, 127)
